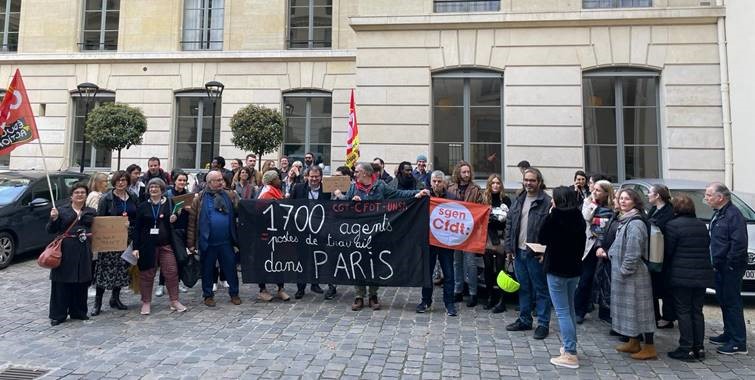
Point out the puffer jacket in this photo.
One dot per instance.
(687, 253)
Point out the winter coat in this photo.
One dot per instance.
(379, 191)
(687, 253)
(538, 211)
(472, 194)
(728, 238)
(108, 207)
(563, 235)
(195, 213)
(661, 217)
(631, 290)
(145, 242)
(76, 259)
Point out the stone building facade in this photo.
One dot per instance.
(631, 88)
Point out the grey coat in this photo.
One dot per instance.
(631, 290)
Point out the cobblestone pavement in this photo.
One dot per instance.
(312, 338)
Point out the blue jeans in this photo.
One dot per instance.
(224, 254)
(465, 266)
(446, 259)
(532, 286)
(729, 295)
(563, 291)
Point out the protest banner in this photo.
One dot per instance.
(340, 182)
(335, 242)
(458, 225)
(109, 233)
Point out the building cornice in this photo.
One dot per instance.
(182, 56)
(587, 17)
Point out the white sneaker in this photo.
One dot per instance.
(566, 360)
(159, 291)
(224, 284)
(182, 288)
(214, 287)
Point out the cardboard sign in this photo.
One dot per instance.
(340, 182)
(186, 199)
(109, 233)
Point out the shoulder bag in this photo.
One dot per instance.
(51, 256)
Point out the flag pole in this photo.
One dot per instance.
(47, 173)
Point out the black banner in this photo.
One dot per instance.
(335, 242)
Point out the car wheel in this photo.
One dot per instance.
(7, 249)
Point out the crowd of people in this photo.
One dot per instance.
(596, 256)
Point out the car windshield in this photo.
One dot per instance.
(705, 213)
(11, 188)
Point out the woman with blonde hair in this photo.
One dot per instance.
(495, 258)
(597, 212)
(97, 186)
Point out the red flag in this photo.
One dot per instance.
(352, 141)
(18, 126)
(458, 225)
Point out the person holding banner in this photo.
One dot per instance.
(366, 187)
(70, 280)
(212, 229)
(523, 224)
(153, 245)
(112, 271)
(271, 181)
(312, 190)
(443, 255)
(465, 264)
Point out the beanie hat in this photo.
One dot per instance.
(422, 157)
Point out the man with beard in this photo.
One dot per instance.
(309, 160)
(404, 179)
(155, 171)
(382, 174)
(420, 173)
(465, 263)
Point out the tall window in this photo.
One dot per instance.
(467, 121)
(622, 138)
(203, 25)
(588, 4)
(194, 130)
(100, 31)
(308, 120)
(466, 5)
(93, 158)
(310, 24)
(10, 14)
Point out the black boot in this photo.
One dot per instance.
(500, 307)
(472, 301)
(98, 301)
(492, 300)
(115, 300)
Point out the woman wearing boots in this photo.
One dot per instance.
(70, 280)
(112, 271)
(494, 258)
(631, 291)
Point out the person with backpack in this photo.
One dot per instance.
(660, 214)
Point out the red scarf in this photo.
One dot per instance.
(366, 188)
(271, 192)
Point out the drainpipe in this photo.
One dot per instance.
(725, 100)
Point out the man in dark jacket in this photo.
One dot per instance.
(155, 171)
(312, 189)
(382, 174)
(728, 251)
(526, 217)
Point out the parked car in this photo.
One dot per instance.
(25, 209)
(696, 191)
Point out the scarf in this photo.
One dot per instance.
(274, 193)
(218, 203)
(365, 188)
(625, 216)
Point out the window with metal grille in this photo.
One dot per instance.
(203, 25)
(310, 24)
(622, 137)
(93, 158)
(308, 125)
(10, 15)
(441, 6)
(468, 121)
(194, 130)
(591, 4)
(100, 26)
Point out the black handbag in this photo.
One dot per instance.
(178, 237)
(190, 272)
